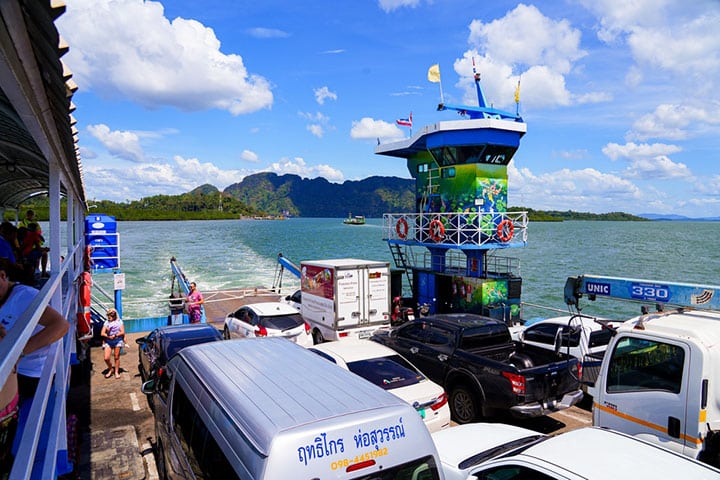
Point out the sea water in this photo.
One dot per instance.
(226, 254)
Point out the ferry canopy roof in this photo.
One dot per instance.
(37, 130)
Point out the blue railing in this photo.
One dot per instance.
(42, 448)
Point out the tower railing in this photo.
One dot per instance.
(457, 230)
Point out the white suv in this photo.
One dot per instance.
(268, 319)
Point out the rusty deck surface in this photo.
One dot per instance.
(218, 303)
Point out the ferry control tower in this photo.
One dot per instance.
(449, 246)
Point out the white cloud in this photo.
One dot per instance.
(676, 36)
(138, 181)
(122, 144)
(316, 130)
(261, 32)
(586, 190)
(657, 168)
(249, 156)
(615, 151)
(368, 127)
(324, 93)
(674, 122)
(554, 44)
(648, 161)
(319, 122)
(129, 49)
(544, 53)
(390, 5)
(298, 166)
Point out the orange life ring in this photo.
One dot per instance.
(436, 230)
(84, 320)
(401, 228)
(505, 230)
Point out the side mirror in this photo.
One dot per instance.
(288, 298)
(141, 341)
(148, 388)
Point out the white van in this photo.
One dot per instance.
(266, 408)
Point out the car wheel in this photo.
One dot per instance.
(317, 337)
(160, 461)
(226, 333)
(463, 405)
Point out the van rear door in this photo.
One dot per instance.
(644, 392)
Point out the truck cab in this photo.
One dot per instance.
(658, 382)
(658, 378)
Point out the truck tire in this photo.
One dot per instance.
(317, 337)
(464, 405)
(160, 461)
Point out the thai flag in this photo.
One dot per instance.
(405, 122)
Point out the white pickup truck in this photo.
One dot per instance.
(660, 376)
(580, 336)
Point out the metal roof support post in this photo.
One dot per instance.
(54, 254)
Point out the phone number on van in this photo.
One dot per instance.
(346, 462)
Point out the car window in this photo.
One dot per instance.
(201, 450)
(513, 472)
(387, 372)
(640, 364)
(282, 322)
(413, 331)
(600, 338)
(488, 335)
(297, 297)
(438, 336)
(542, 333)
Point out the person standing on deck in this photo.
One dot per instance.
(113, 331)
(193, 302)
(14, 300)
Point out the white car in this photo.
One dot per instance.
(583, 337)
(387, 369)
(268, 319)
(492, 451)
(295, 300)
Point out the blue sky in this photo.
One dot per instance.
(621, 97)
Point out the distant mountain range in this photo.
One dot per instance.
(297, 196)
(677, 218)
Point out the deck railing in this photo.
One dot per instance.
(457, 230)
(42, 449)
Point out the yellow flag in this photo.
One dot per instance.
(434, 73)
(517, 93)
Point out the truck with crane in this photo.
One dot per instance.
(659, 378)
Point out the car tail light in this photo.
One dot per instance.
(260, 331)
(343, 334)
(160, 372)
(580, 372)
(517, 382)
(307, 328)
(360, 465)
(440, 401)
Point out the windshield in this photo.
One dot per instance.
(387, 372)
(282, 322)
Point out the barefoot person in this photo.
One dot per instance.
(113, 331)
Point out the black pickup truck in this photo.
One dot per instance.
(482, 369)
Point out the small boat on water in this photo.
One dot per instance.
(356, 220)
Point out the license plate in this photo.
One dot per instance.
(364, 334)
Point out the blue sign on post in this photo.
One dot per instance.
(104, 242)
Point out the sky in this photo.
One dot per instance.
(621, 97)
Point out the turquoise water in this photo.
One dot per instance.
(242, 253)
